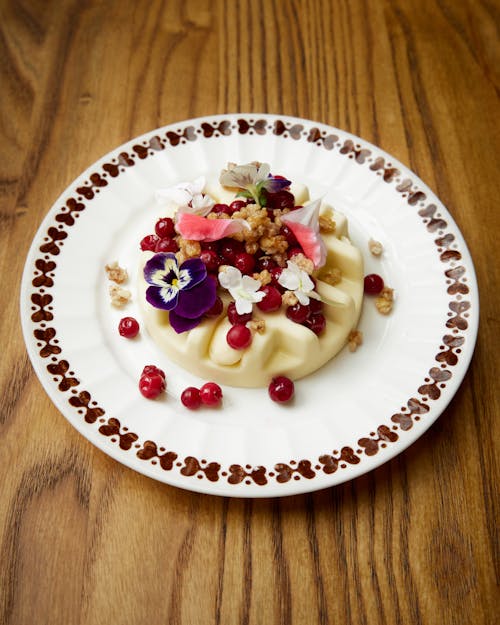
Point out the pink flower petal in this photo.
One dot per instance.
(310, 241)
(197, 228)
(304, 223)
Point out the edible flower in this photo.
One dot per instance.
(244, 289)
(254, 179)
(198, 228)
(186, 291)
(295, 279)
(304, 223)
(188, 197)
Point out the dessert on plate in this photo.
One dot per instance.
(245, 278)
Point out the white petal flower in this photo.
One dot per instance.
(244, 176)
(243, 289)
(295, 279)
(187, 197)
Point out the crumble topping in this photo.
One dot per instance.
(331, 276)
(327, 224)
(384, 302)
(116, 273)
(376, 248)
(354, 340)
(257, 325)
(119, 295)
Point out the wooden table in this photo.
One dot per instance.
(84, 539)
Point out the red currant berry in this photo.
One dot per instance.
(316, 322)
(298, 313)
(281, 389)
(167, 245)
(210, 394)
(280, 199)
(265, 263)
(128, 327)
(211, 259)
(149, 242)
(190, 397)
(164, 228)
(239, 337)
(229, 248)
(316, 305)
(275, 274)
(216, 309)
(210, 245)
(271, 300)
(221, 208)
(373, 284)
(235, 318)
(291, 239)
(151, 385)
(293, 251)
(244, 262)
(153, 369)
(237, 205)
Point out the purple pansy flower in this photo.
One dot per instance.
(186, 291)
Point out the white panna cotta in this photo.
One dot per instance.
(283, 347)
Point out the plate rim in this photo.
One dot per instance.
(223, 487)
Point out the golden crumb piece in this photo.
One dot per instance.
(116, 273)
(277, 217)
(180, 256)
(251, 247)
(304, 263)
(273, 244)
(331, 276)
(354, 340)
(191, 249)
(119, 295)
(257, 325)
(264, 277)
(289, 298)
(326, 224)
(376, 248)
(385, 300)
(280, 259)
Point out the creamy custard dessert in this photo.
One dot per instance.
(251, 280)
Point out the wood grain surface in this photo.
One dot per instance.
(86, 541)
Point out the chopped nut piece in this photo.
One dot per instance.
(327, 224)
(375, 247)
(119, 295)
(273, 244)
(289, 298)
(257, 325)
(264, 277)
(180, 256)
(385, 300)
(191, 249)
(251, 247)
(116, 273)
(304, 263)
(354, 340)
(280, 259)
(331, 276)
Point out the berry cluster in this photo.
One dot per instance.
(210, 394)
(266, 252)
(163, 239)
(152, 382)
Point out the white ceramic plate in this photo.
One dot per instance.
(355, 413)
